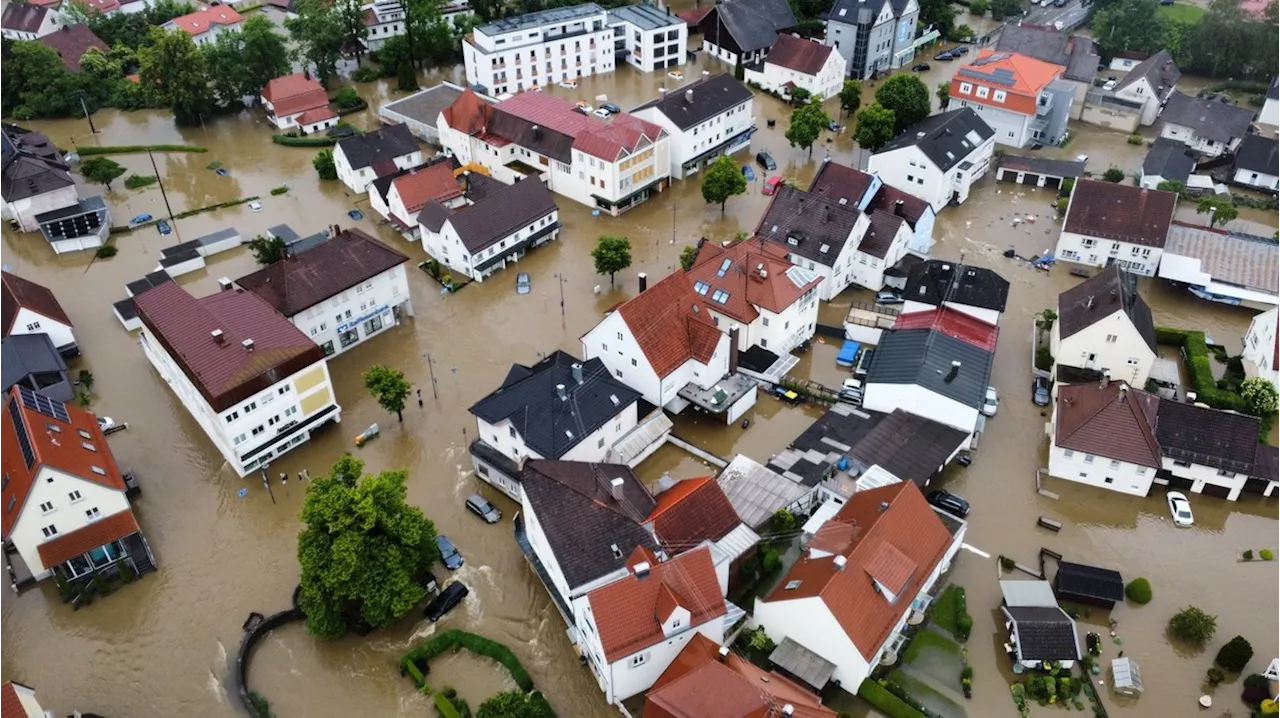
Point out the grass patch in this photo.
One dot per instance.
(210, 208)
(887, 703)
(140, 181)
(945, 609)
(1181, 12)
(134, 149)
(292, 141)
(930, 639)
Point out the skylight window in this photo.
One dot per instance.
(823, 249)
(701, 288)
(720, 296)
(724, 267)
(792, 585)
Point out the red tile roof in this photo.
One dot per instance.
(795, 53)
(294, 94)
(72, 42)
(18, 293)
(693, 16)
(603, 138)
(83, 540)
(319, 114)
(198, 23)
(468, 114)
(10, 705)
(774, 289)
(954, 323)
(225, 372)
(54, 443)
(916, 539)
(1030, 76)
(626, 610)
(1106, 210)
(671, 324)
(103, 6)
(424, 184)
(1107, 422)
(692, 511)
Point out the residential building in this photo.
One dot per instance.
(1257, 164)
(204, 26)
(385, 20)
(740, 32)
(1261, 351)
(1167, 161)
(1109, 435)
(66, 512)
(71, 42)
(31, 361)
(28, 21)
(711, 681)
(873, 36)
(1039, 631)
(848, 186)
(1223, 266)
(608, 164)
(843, 605)
(704, 119)
(39, 194)
(824, 235)
(29, 308)
(1109, 223)
(794, 62)
(130, 7)
(649, 38)
(494, 224)
(400, 197)
(1210, 127)
(255, 384)
(1270, 114)
(362, 159)
(298, 102)
(1073, 52)
(558, 408)
(19, 701)
(664, 343)
(1023, 99)
(106, 7)
(521, 52)
(1104, 326)
(1150, 85)
(338, 293)
(935, 364)
(976, 291)
(939, 158)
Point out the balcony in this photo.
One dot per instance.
(1044, 104)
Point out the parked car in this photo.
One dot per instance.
(948, 502)
(991, 402)
(600, 112)
(676, 75)
(833, 125)
(944, 55)
(1040, 391)
(569, 84)
(749, 173)
(786, 394)
(888, 296)
(164, 227)
(1109, 85)
(481, 507)
(255, 206)
(922, 67)
(864, 362)
(106, 423)
(611, 107)
(449, 555)
(446, 601)
(962, 50)
(772, 184)
(523, 284)
(765, 160)
(584, 106)
(1180, 509)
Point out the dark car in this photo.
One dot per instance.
(481, 507)
(614, 109)
(944, 55)
(962, 50)
(948, 502)
(765, 160)
(833, 125)
(1040, 391)
(449, 555)
(922, 67)
(446, 601)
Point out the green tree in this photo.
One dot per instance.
(1234, 654)
(268, 250)
(1260, 397)
(688, 256)
(908, 97)
(394, 54)
(420, 17)
(941, 14)
(943, 93)
(963, 33)
(1223, 210)
(722, 180)
(1129, 25)
(325, 166)
(318, 35)
(807, 123)
(979, 7)
(611, 255)
(406, 77)
(875, 127)
(389, 387)
(29, 66)
(1193, 625)
(351, 20)
(263, 52)
(515, 704)
(1173, 186)
(101, 170)
(851, 97)
(1139, 591)
(799, 95)
(347, 98)
(173, 69)
(363, 550)
(1001, 9)
(1113, 174)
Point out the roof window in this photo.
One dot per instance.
(720, 296)
(792, 585)
(701, 288)
(89, 446)
(54, 428)
(98, 470)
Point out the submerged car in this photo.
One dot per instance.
(449, 555)
(886, 296)
(1179, 509)
(991, 402)
(523, 284)
(772, 184)
(1040, 391)
(446, 601)
(765, 160)
(922, 67)
(164, 227)
(481, 507)
(611, 107)
(944, 55)
(948, 502)
(106, 423)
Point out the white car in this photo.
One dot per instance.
(601, 113)
(106, 423)
(991, 403)
(676, 75)
(255, 206)
(1109, 85)
(1180, 509)
(569, 84)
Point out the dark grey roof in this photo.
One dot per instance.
(1044, 633)
(1042, 165)
(494, 215)
(838, 430)
(645, 17)
(711, 96)
(1273, 92)
(386, 143)
(1170, 159)
(24, 355)
(924, 357)
(283, 231)
(582, 521)
(880, 233)
(32, 166)
(150, 281)
(549, 425)
(855, 12)
(805, 223)
(1078, 579)
(426, 105)
(23, 17)
(946, 139)
(1220, 439)
(1160, 72)
(530, 20)
(755, 24)
(1210, 119)
(936, 281)
(1100, 296)
(1074, 53)
(908, 446)
(1258, 154)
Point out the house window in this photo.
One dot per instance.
(74, 496)
(966, 88)
(92, 513)
(49, 530)
(983, 92)
(284, 389)
(1115, 464)
(482, 470)
(1108, 480)
(373, 325)
(1111, 338)
(1068, 453)
(98, 470)
(999, 96)
(327, 347)
(633, 363)
(600, 443)
(46, 507)
(765, 320)
(349, 337)
(1087, 243)
(1088, 458)
(33, 326)
(639, 659)
(618, 372)
(1133, 361)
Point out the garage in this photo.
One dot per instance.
(1031, 179)
(1216, 491)
(1006, 175)
(1038, 171)
(1255, 486)
(1177, 483)
(1052, 182)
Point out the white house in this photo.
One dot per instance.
(1024, 100)
(1210, 127)
(340, 292)
(939, 158)
(868, 193)
(793, 62)
(1150, 85)
(208, 350)
(36, 178)
(846, 601)
(740, 32)
(67, 512)
(206, 25)
(1257, 164)
(976, 291)
(1040, 632)
(824, 234)
(537, 49)
(385, 20)
(32, 309)
(1104, 326)
(28, 21)
(1261, 353)
(558, 408)
(400, 197)
(1109, 223)
(704, 119)
(1270, 114)
(362, 159)
(649, 38)
(298, 101)
(23, 700)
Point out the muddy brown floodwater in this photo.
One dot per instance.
(162, 646)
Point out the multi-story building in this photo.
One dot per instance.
(975, 291)
(1257, 164)
(1120, 224)
(1150, 85)
(706, 118)
(298, 101)
(29, 21)
(1210, 127)
(1023, 99)
(868, 193)
(1104, 328)
(362, 159)
(340, 292)
(1261, 347)
(400, 197)
(1074, 52)
(32, 309)
(650, 39)
(536, 49)
(796, 63)
(255, 384)
(939, 158)
(385, 20)
(873, 35)
(39, 194)
(206, 25)
(740, 32)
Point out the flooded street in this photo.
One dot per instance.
(161, 647)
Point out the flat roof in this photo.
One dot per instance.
(532, 20)
(645, 17)
(426, 105)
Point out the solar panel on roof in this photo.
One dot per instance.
(43, 404)
(19, 428)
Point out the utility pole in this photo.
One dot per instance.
(83, 106)
(266, 483)
(560, 278)
(164, 194)
(431, 368)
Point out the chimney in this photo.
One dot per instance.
(688, 97)
(644, 282)
(306, 74)
(840, 561)
(826, 214)
(788, 710)
(662, 92)
(884, 506)
(1106, 379)
(733, 350)
(224, 284)
(1124, 390)
(217, 336)
(537, 132)
(560, 392)
(577, 372)
(247, 344)
(615, 488)
(899, 208)
(723, 654)
(642, 569)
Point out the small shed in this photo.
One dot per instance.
(1089, 585)
(1126, 679)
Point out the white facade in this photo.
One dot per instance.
(988, 316)
(1259, 354)
(25, 210)
(1203, 145)
(389, 22)
(1270, 114)
(1257, 180)
(1094, 252)
(72, 503)
(447, 247)
(358, 180)
(210, 35)
(733, 125)
(1012, 128)
(1099, 471)
(253, 424)
(649, 48)
(571, 595)
(1110, 345)
(826, 83)
(29, 322)
(539, 49)
(1141, 92)
(837, 276)
(49, 24)
(353, 316)
(778, 332)
(910, 170)
(918, 400)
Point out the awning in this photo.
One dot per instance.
(803, 663)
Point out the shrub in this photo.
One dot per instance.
(1135, 139)
(965, 625)
(1113, 174)
(279, 190)
(1234, 654)
(1193, 625)
(760, 641)
(1139, 591)
(140, 181)
(1266, 555)
(258, 706)
(784, 520)
(1248, 554)
(295, 141)
(1215, 676)
(347, 97)
(365, 74)
(453, 639)
(966, 672)
(133, 149)
(772, 561)
(886, 702)
(979, 7)
(1198, 365)
(106, 251)
(1268, 709)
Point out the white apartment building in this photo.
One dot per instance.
(385, 20)
(1261, 353)
(1109, 223)
(704, 119)
(650, 39)
(1209, 127)
(206, 25)
(1104, 326)
(206, 350)
(794, 62)
(518, 53)
(362, 159)
(32, 309)
(939, 158)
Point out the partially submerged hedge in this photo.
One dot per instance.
(1197, 356)
(885, 702)
(453, 639)
(133, 149)
(292, 141)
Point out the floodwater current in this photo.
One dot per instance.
(162, 647)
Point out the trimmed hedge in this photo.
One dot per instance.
(1139, 591)
(885, 702)
(291, 141)
(444, 706)
(210, 208)
(453, 639)
(133, 149)
(1198, 365)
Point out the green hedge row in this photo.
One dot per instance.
(453, 639)
(132, 149)
(885, 702)
(1240, 86)
(444, 706)
(210, 208)
(1198, 365)
(291, 141)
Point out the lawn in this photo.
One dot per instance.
(944, 610)
(1182, 12)
(928, 641)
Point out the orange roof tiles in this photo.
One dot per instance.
(692, 511)
(83, 540)
(319, 114)
(424, 184)
(17, 293)
(772, 289)
(954, 323)
(468, 114)
(294, 94)
(671, 324)
(198, 23)
(1028, 75)
(603, 138)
